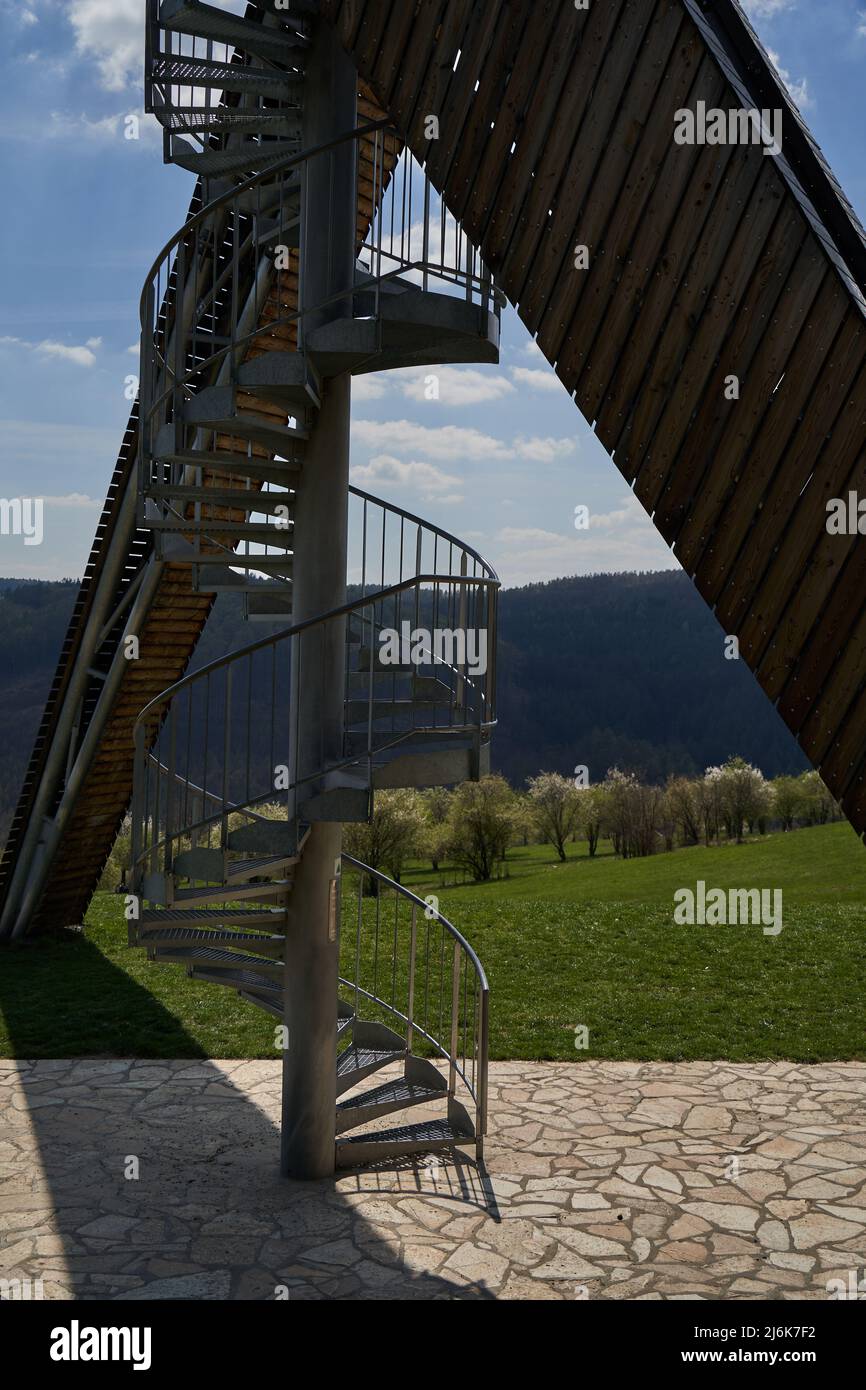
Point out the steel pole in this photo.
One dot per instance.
(327, 268)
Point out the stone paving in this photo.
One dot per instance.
(602, 1180)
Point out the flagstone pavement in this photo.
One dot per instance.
(602, 1180)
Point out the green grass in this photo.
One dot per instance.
(590, 942)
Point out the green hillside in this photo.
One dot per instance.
(588, 943)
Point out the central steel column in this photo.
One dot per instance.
(327, 261)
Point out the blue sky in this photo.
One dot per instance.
(502, 458)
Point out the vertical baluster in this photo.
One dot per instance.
(410, 1003)
(394, 950)
(360, 878)
(455, 1020)
(227, 753)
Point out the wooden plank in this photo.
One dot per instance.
(488, 134)
(533, 223)
(428, 67)
(731, 491)
(747, 205)
(521, 84)
(395, 46)
(616, 142)
(835, 650)
(844, 765)
(479, 38)
(641, 223)
(772, 520)
(638, 312)
(805, 555)
(615, 75)
(844, 621)
(375, 23)
(756, 350)
(529, 114)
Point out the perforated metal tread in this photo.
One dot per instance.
(428, 1137)
(191, 937)
(216, 959)
(391, 1096)
(356, 1063)
(191, 915)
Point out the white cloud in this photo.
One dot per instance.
(536, 380)
(81, 356)
(445, 444)
(111, 32)
(798, 88)
(861, 25)
(430, 481)
(767, 9)
(74, 501)
(457, 385)
(544, 450)
(617, 541)
(364, 388)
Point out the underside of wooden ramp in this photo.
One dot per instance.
(554, 130)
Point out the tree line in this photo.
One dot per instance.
(473, 827)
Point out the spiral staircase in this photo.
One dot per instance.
(235, 370)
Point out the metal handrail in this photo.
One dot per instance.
(477, 1084)
(343, 611)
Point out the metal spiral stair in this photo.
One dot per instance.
(232, 388)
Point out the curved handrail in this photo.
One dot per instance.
(362, 602)
(425, 907)
(270, 172)
(476, 1043)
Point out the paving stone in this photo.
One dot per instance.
(640, 1207)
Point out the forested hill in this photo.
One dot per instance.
(624, 670)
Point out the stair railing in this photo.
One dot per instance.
(202, 302)
(227, 727)
(404, 963)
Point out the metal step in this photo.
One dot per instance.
(343, 796)
(357, 1063)
(249, 159)
(214, 958)
(239, 499)
(358, 711)
(274, 918)
(233, 892)
(425, 768)
(345, 1018)
(207, 22)
(169, 938)
(215, 408)
(213, 866)
(246, 982)
(265, 607)
(430, 1137)
(177, 70)
(285, 378)
(232, 120)
(223, 581)
(269, 837)
(272, 1003)
(227, 532)
(386, 1099)
(242, 870)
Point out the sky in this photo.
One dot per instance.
(502, 458)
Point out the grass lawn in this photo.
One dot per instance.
(589, 942)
